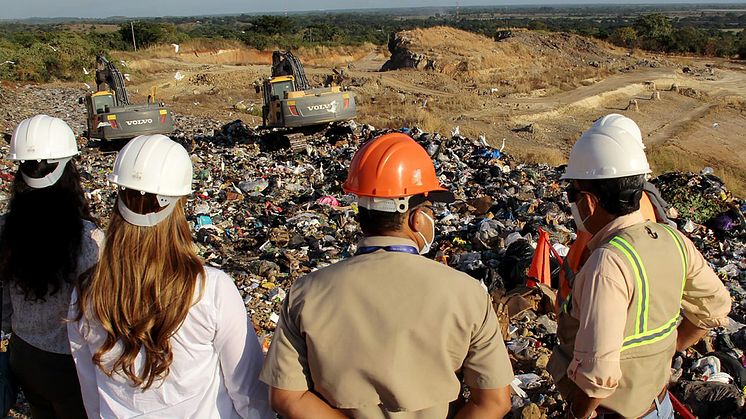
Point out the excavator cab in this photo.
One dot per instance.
(101, 102)
(276, 89)
(282, 85)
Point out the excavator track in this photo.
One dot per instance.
(297, 142)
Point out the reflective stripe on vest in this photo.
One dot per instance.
(643, 334)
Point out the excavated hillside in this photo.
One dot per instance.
(520, 61)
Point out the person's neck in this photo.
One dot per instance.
(408, 234)
(603, 219)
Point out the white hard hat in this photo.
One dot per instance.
(154, 164)
(606, 152)
(621, 121)
(43, 138)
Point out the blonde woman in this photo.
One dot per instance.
(157, 333)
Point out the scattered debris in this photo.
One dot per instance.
(269, 217)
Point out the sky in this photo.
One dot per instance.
(15, 9)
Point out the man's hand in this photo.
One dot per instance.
(300, 405)
(688, 335)
(583, 406)
(486, 403)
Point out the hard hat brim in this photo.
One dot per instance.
(443, 196)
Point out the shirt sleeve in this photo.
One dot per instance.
(239, 352)
(601, 297)
(487, 365)
(286, 366)
(93, 245)
(7, 306)
(705, 301)
(83, 358)
(7, 309)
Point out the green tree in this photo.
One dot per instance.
(148, 33)
(625, 36)
(537, 25)
(271, 25)
(655, 31)
(322, 33)
(740, 45)
(689, 39)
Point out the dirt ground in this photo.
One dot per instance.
(508, 87)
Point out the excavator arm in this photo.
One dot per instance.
(284, 63)
(108, 77)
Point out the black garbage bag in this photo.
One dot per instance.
(710, 399)
(515, 263)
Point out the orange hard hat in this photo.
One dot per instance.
(394, 166)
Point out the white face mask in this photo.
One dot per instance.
(426, 247)
(579, 222)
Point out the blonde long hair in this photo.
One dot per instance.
(142, 289)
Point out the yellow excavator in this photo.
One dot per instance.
(290, 101)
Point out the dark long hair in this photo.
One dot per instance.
(43, 231)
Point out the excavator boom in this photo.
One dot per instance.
(284, 63)
(108, 77)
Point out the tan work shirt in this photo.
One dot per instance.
(601, 296)
(385, 334)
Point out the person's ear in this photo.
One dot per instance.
(415, 220)
(587, 204)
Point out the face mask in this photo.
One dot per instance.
(426, 247)
(579, 222)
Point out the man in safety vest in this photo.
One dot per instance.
(622, 324)
(388, 333)
(652, 206)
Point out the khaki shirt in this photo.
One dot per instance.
(384, 335)
(601, 296)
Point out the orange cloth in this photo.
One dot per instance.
(540, 271)
(579, 252)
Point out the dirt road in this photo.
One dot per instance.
(436, 102)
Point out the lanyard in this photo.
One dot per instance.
(395, 248)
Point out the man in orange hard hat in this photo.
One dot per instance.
(386, 333)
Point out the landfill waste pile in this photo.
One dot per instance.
(269, 216)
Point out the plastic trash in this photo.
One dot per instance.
(528, 381)
(253, 187)
(328, 200)
(204, 221)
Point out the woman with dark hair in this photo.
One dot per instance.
(158, 334)
(48, 240)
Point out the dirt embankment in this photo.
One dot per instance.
(521, 61)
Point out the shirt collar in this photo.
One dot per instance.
(613, 227)
(385, 241)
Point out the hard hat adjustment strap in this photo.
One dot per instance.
(51, 178)
(400, 205)
(150, 219)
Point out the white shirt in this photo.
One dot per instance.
(215, 369)
(41, 323)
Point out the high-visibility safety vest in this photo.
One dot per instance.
(578, 254)
(655, 256)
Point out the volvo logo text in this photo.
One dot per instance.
(140, 122)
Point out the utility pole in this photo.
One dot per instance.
(132, 26)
